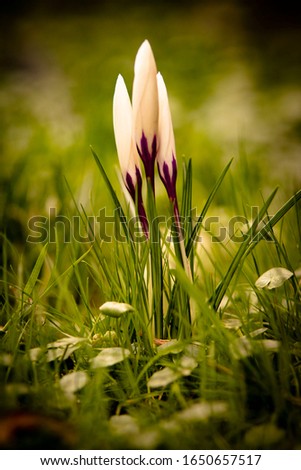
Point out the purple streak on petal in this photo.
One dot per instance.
(143, 150)
(148, 156)
(169, 180)
(130, 185)
(141, 210)
(143, 218)
(140, 207)
(138, 178)
(154, 148)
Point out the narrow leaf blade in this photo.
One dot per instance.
(32, 280)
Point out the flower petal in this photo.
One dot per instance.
(166, 156)
(167, 146)
(123, 130)
(145, 102)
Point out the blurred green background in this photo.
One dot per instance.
(232, 69)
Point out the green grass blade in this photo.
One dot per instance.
(113, 195)
(186, 204)
(196, 229)
(241, 253)
(32, 280)
(156, 262)
(252, 239)
(262, 233)
(202, 215)
(59, 277)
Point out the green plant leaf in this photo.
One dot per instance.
(187, 364)
(58, 278)
(164, 377)
(187, 199)
(114, 197)
(109, 356)
(74, 381)
(244, 347)
(203, 213)
(155, 262)
(115, 309)
(36, 271)
(173, 346)
(264, 231)
(263, 435)
(167, 375)
(242, 252)
(191, 237)
(63, 347)
(273, 278)
(204, 411)
(124, 425)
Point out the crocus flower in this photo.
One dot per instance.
(145, 108)
(167, 163)
(166, 157)
(122, 122)
(126, 149)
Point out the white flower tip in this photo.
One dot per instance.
(161, 87)
(145, 48)
(121, 99)
(120, 87)
(167, 151)
(119, 79)
(144, 57)
(122, 123)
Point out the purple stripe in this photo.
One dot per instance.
(129, 182)
(130, 185)
(169, 180)
(148, 155)
(143, 217)
(132, 190)
(138, 177)
(144, 152)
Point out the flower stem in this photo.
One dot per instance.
(143, 217)
(186, 313)
(180, 239)
(156, 263)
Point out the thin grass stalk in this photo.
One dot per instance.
(6, 307)
(187, 188)
(114, 197)
(252, 239)
(186, 208)
(241, 253)
(156, 263)
(184, 308)
(196, 228)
